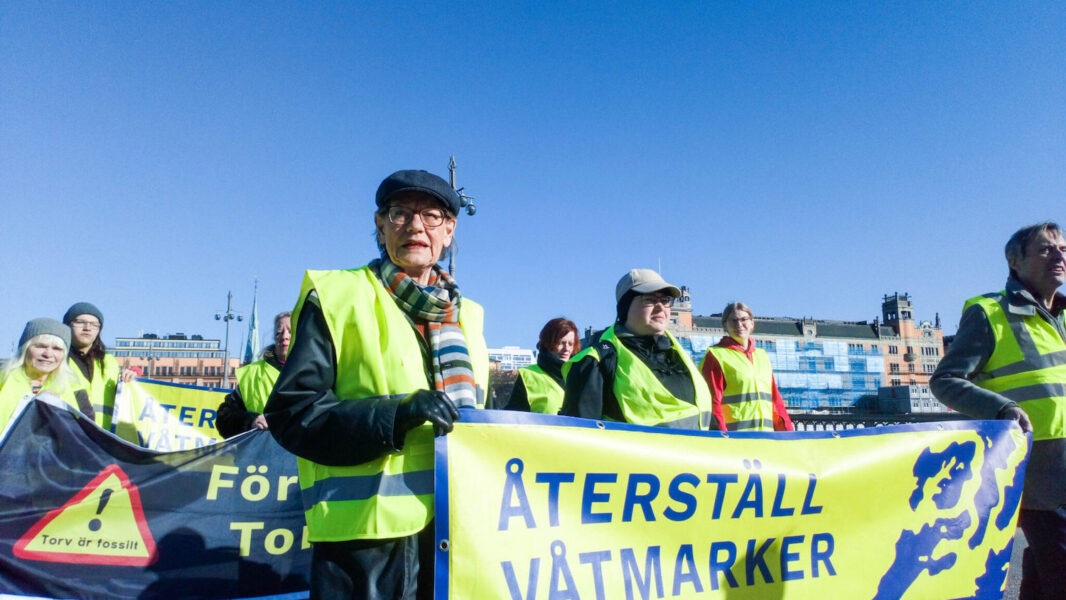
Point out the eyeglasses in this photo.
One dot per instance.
(653, 299)
(86, 324)
(401, 215)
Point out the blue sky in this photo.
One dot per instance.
(804, 158)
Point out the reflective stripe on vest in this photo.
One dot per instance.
(391, 496)
(256, 381)
(1027, 366)
(101, 389)
(542, 391)
(644, 400)
(747, 400)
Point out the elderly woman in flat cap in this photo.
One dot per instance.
(381, 359)
(637, 372)
(40, 367)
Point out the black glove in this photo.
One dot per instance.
(425, 405)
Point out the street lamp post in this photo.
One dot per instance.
(227, 316)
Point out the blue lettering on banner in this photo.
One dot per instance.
(640, 571)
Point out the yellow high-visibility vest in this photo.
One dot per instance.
(256, 381)
(378, 354)
(101, 389)
(1028, 365)
(543, 392)
(18, 385)
(643, 399)
(747, 402)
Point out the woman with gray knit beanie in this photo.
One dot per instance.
(39, 368)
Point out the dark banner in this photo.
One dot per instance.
(84, 514)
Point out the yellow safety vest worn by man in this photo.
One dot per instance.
(1018, 356)
(1008, 361)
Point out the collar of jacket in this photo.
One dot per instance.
(1022, 302)
(270, 355)
(649, 342)
(551, 364)
(727, 341)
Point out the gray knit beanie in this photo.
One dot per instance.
(43, 326)
(83, 308)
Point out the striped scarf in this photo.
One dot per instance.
(438, 306)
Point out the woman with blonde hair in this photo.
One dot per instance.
(743, 390)
(40, 367)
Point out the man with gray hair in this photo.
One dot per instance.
(1008, 361)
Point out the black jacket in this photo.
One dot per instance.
(590, 382)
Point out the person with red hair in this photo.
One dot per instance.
(539, 387)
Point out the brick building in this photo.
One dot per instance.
(175, 358)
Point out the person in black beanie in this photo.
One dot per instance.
(637, 372)
(95, 371)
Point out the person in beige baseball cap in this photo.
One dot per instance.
(637, 372)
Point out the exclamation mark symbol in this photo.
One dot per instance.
(95, 524)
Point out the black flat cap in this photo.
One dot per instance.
(412, 180)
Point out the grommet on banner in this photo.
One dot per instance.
(600, 425)
(444, 545)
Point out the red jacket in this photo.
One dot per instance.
(712, 372)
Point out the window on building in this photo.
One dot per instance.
(910, 350)
(914, 381)
(910, 367)
(893, 368)
(893, 349)
(896, 382)
(928, 368)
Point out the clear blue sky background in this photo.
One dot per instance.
(805, 158)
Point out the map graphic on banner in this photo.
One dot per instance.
(573, 508)
(103, 524)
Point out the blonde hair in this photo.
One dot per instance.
(59, 379)
(733, 307)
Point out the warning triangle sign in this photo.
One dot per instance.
(103, 524)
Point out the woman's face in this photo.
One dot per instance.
(43, 356)
(649, 313)
(283, 335)
(740, 325)
(85, 328)
(565, 346)
(413, 246)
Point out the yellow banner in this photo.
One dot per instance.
(530, 509)
(165, 416)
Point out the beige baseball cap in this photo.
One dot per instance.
(644, 281)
